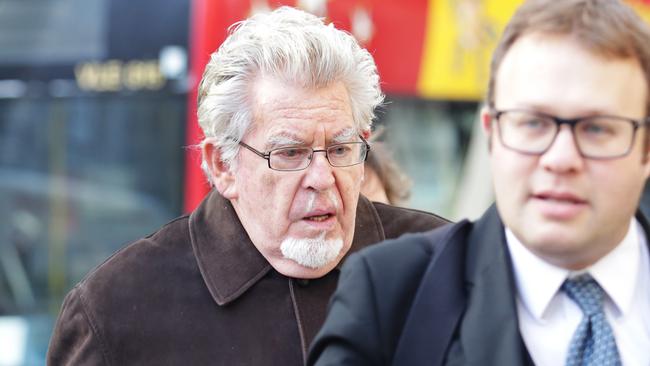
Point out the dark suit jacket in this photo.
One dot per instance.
(198, 292)
(446, 297)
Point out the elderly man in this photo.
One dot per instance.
(558, 272)
(286, 105)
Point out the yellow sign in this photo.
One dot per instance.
(642, 8)
(460, 38)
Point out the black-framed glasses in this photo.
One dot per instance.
(292, 158)
(596, 137)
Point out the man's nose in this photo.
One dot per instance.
(563, 155)
(319, 174)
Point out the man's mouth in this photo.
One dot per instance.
(559, 197)
(557, 205)
(318, 218)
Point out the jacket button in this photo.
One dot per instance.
(302, 282)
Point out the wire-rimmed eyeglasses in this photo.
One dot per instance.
(596, 137)
(292, 158)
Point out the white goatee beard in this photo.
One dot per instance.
(311, 253)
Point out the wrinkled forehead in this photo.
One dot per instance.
(285, 113)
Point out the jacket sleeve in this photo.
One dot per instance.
(75, 340)
(350, 335)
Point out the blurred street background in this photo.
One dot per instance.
(97, 123)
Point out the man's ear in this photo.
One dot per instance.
(220, 173)
(366, 134)
(486, 120)
(487, 124)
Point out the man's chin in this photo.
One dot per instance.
(312, 253)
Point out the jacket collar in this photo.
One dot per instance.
(492, 309)
(469, 282)
(229, 262)
(472, 262)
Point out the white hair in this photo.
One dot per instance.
(290, 45)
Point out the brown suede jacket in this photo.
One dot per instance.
(197, 292)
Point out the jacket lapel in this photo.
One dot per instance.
(438, 304)
(489, 332)
(469, 282)
(229, 262)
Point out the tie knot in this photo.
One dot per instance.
(585, 292)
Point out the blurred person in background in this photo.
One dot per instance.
(286, 105)
(383, 180)
(557, 272)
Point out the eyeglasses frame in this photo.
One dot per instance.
(267, 155)
(571, 122)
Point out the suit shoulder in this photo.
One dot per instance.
(405, 248)
(400, 220)
(411, 251)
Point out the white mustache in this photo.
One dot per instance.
(311, 200)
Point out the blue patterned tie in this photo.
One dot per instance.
(593, 342)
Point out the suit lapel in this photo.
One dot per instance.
(489, 332)
(438, 304)
(469, 282)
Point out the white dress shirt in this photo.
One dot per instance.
(548, 317)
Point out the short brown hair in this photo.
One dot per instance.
(608, 28)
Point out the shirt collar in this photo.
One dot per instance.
(538, 281)
(229, 262)
(617, 272)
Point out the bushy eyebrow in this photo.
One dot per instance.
(283, 139)
(346, 135)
